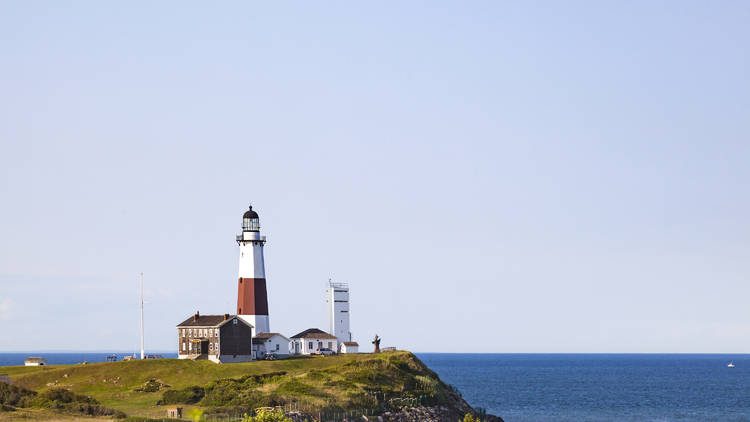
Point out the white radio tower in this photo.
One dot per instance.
(142, 347)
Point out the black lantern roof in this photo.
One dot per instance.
(250, 213)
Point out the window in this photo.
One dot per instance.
(277, 347)
(216, 332)
(190, 333)
(330, 345)
(210, 346)
(216, 347)
(234, 321)
(309, 346)
(183, 347)
(183, 332)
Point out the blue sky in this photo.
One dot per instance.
(487, 176)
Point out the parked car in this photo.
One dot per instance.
(325, 352)
(270, 356)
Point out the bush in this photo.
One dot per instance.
(61, 395)
(294, 386)
(70, 402)
(11, 395)
(427, 384)
(262, 378)
(151, 386)
(470, 418)
(188, 395)
(267, 416)
(233, 392)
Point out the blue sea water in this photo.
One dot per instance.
(573, 387)
(601, 387)
(70, 358)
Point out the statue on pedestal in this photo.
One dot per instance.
(376, 342)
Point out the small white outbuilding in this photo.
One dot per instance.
(349, 347)
(270, 344)
(33, 361)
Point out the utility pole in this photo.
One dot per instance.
(142, 347)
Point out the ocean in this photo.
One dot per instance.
(600, 387)
(574, 387)
(68, 358)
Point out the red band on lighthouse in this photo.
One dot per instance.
(252, 297)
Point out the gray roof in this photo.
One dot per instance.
(314, 333)
(262, 337)
(206, 321)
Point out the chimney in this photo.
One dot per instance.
(196, 316)
(226, 317)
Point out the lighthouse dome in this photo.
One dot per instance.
(250, 221)
(250, 213)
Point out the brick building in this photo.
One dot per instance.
(219, 338)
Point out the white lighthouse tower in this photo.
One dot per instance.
(337, 303)
(252, 296)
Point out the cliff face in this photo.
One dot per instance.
(454, 409)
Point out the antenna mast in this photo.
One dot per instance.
(142, 349)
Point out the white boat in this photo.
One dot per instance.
(731, 365)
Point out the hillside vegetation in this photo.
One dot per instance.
(362, 383)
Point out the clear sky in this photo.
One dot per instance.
(488, 176)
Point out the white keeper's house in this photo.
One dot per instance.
(312, 340)
(270, 343)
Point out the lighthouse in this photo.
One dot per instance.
(252, 296)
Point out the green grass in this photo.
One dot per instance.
(344, 381)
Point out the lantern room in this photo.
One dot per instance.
(250, 221)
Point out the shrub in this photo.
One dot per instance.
(233, 392)
(267, 416)
(470, 418)
(187, 395)
(427, 384)
(294, 386)
(11, 395)
(70, 402)
(262, 378)
(151, 386)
